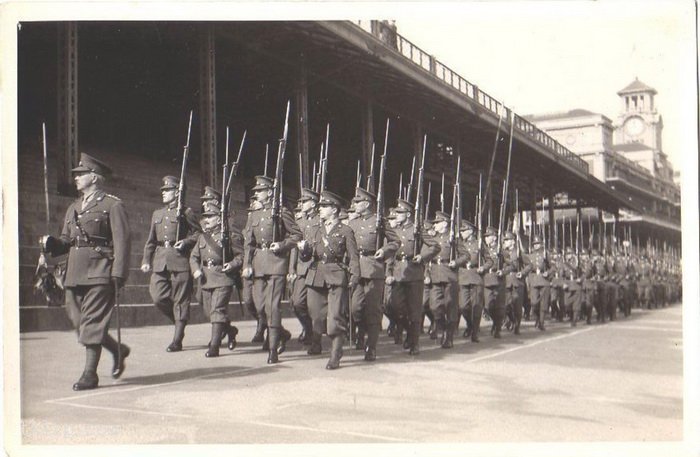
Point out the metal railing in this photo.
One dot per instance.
(459, 84)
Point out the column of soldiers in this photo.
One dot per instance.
(341, 279)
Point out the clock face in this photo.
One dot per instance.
(634, 126)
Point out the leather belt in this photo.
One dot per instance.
(263, 246)
(211, 263)
(166, 243)
(81, 243)
(367, 253)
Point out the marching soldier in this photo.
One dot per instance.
(494, 283)
(572, 286)
(644, 283)
(590, 288)
(556, 286)
(95, 235)
(257, 310)
(601, 292)
(211, 199)
(611, 287)
(365, 302)
(539, 281)
(168, 260)
(406, 277)
(623, 270)
(444, 287)
(308, 215)
(267, 262)
(327, 245)
(216, 278)
(471, 282)
(519, 267)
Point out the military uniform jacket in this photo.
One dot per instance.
(491, 279)
(159, 250)
(573, 274)
(97, 240)
(468, 275)
(611, 266)
(206, 256)
(258, 237)
(365, 231)
(540, 265)
(328, 252)
(296, 265)
(439, 271)
(515, 264)
(404, 270)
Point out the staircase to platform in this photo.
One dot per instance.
(136, 181)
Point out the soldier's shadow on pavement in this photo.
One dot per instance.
(197, 373)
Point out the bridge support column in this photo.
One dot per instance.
(302, 121)
(207, 105)
(67, 109)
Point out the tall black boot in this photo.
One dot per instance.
(315, 347)
(359, 336)
(372, 338)
(217, 329)
(178, 336)
(415, 328)
(89, 379)
(449, 333)
(111, 345)
(306, 337)
(284, 336)
(274, 336)
(231, 331)
(259, 336)
(336, 352)
(476, 322)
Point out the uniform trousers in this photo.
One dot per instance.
(495, 302)
(328, 308)
(444, 303)
(299, 298)
(515, 298)
(171, 292)
(539, 298)
(407, 302)
(267, 296)
(89, 308)
(365, 306)
(572, 298)
(215, 303)
(471, 298)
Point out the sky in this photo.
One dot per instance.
(540, 57)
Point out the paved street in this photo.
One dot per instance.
(620, 381)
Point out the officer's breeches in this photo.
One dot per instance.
(539, 298)
(515, 299)
(89, 309)
(171, 292)
(407, 300)
(215, 303)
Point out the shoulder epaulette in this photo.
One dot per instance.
(113, 196)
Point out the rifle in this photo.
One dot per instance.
(427, 202)
(324, 162)
(234, 167)
(418, 216)
(46, 176)
(379, 218)
(544, 235)
(455, 213)
(479, 224)
(277, 185)
(516, 227)
(225, 194)
(181, 185)
(401, 185)
(301, 175)
(313, 177)
(504, 198)
(370, 178)
(267, 150)
(358, 178)
(410, 183)
(493, 158)
(442, 194)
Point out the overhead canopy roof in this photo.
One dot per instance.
(410, 83)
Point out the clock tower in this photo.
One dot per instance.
(638, 122)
